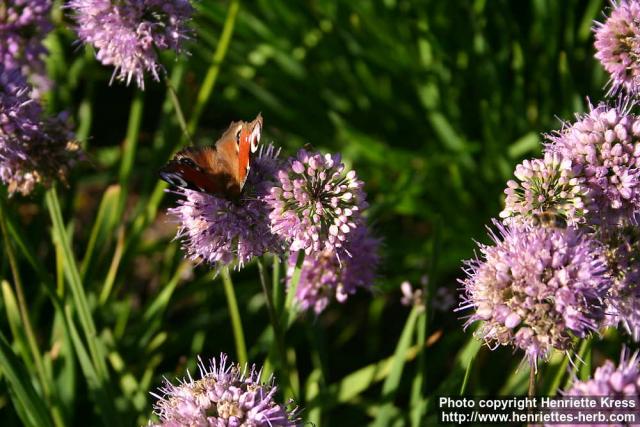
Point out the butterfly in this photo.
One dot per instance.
(220, 169)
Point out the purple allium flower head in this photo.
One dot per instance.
(535, 287)
(316, 203)
(23, 26)
(33, 148)
(222, 232)
(623, 301)
(604, 148)
(548, 184)
(327, 274)
(617, 43)
(611, 380)
(128, 34)
(225, 395)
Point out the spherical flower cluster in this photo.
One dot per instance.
(128, 34)
(316, 205)
(617, 43)
(222, 232)
(535, 288)
(604, 148)
(23, 26)
(548, 184)
(327, 274)
(33, 148)
(623, 300)
(225, 395)
(610, 380)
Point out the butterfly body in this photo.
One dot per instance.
(220, 169)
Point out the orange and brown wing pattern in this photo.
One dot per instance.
(201, 169)
(221, 169)
(248, 141)
(236, 145)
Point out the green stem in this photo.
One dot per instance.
(289, 312)
(317, 353)
(173, 96)
(22, 306)
(85, 109)
(48, 285)
(465, 379)
(28, 404)
(576, 370)
(113, 269)
(532, 381)
(234, 312)
(203, 97)
(418, 386)
(214, 69)
(555, 383)
(586, 355)
(75, 283)
(276, 285)
(129, 149)
(277, 330)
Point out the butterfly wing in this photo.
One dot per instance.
(237, 144)
(201, 169)
(220, 170)
(248, 142)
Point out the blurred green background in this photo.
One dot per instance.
(432, 102)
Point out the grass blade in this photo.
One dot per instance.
(465, 380)
(417, 402)
(314, 417)
(555, 373)
(129, 149)
(214, 69)
(290, 310)
(15, 324)
(23, 309)
(75, 283)
(95, 383)
(33, 406)
(102, 226)
(465, 356)
(98, 373)
(390, 387)
(234, 313)
(113, 268)
(353, 384)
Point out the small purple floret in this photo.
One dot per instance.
(128, 35)
(224, 395)
(224, 232)
(329, 274)
(604, 149)
(548, 184)
(623, 300)
(23, 26)
(617, 43)
(315, 203)
(535, 288)
(34, 148)
(617, 382)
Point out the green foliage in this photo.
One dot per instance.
(432, 102)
